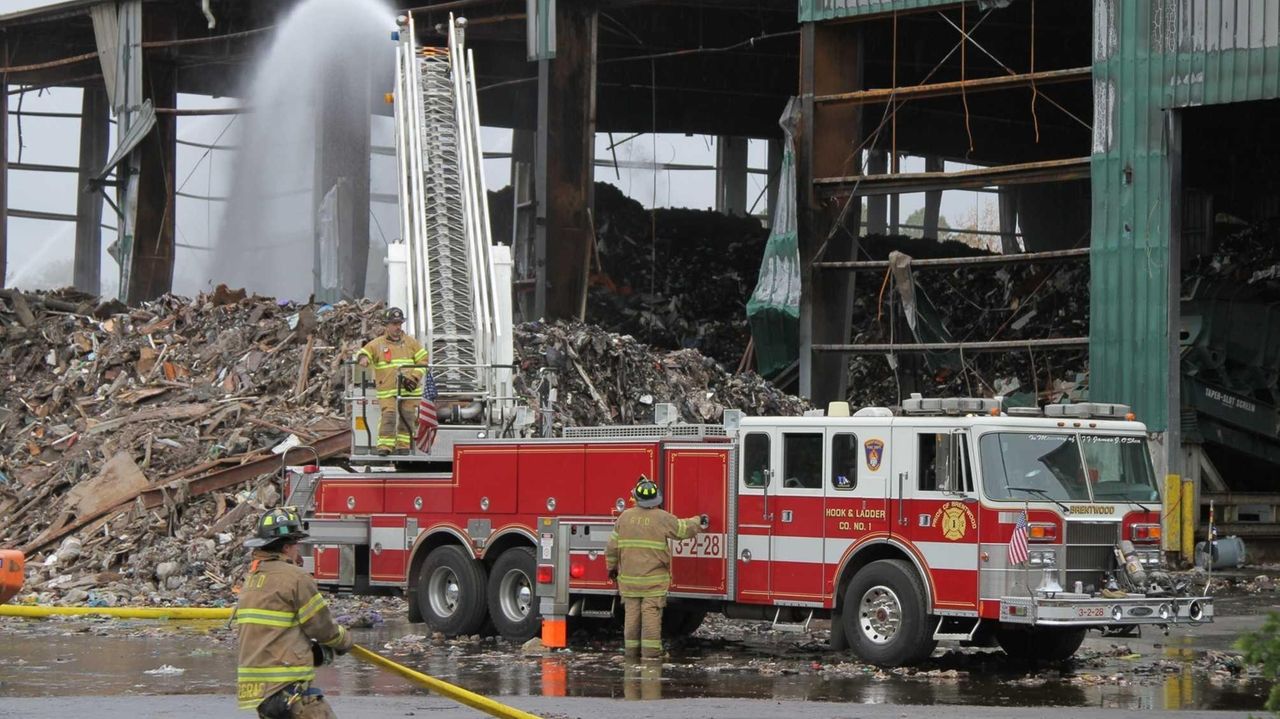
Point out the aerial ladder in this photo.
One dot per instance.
(453, 283)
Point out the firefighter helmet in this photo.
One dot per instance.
(276, 524)
(647, 493)
(393, 314)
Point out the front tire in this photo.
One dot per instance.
(451, 592)
(1046, 645)
(884, 614)
(513, 604)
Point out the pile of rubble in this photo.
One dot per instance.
(604, 378)
(671, 278)
(968, 303)
(136, 444)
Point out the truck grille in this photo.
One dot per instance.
(1089, 552)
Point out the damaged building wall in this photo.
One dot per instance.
(1151, 56)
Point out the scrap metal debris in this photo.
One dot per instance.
(967, 303)
(672, 278)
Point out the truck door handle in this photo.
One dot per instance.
(902, 480)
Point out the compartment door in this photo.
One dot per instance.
(697, 482)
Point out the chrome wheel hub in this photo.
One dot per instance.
(516, 595)
(444, 592)
(880, 615)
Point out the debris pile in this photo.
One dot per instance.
(604, 378)
(671, 278)
(967, 303)
(136, 444)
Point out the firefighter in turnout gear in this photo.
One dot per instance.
(399, 383)
(285, 627)
(639, 560)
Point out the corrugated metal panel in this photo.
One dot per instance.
(1151, 56)
(814, 10)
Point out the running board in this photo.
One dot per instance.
(791, 626)
(955, 629)
(598, 613)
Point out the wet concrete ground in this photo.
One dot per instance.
(728, 661)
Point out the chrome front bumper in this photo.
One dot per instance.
(1065, 609)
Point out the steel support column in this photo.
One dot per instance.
(1172, 441)
(1009, 220)
(563, 164)
(774, 175)
(151, 271)
(877, 205)
(731, 175)
(932, 200)
(830, 62)
(523, 220)
(4, 179)
(95, 127)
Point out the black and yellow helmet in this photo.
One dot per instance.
(647, 493)
(276, 524)
(393, 314)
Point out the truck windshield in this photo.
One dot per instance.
(1032, 466)
(1092, 467)
(1119, 468)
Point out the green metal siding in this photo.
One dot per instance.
(816, 10)
(1151, 56)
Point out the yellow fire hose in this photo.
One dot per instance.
(443, 688)
(19, 610)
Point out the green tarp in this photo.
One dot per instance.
(774, 308)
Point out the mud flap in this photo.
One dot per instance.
(839, 642)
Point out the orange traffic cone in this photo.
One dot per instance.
(11, 573)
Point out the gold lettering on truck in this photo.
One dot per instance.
(1106, 509)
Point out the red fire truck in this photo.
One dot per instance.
(896, 526)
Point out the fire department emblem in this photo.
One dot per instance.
(875, 452)
(954, 519)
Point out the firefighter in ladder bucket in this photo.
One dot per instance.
(397, 361)
(285, 627)
(639, 560)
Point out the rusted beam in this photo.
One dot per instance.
(564, 149)
(4, 176)
(944, 89)
(95, 128)
(38, 215)
(325, 447)
(949, 262)
(1076, 168)
(831, 61)
(153, 244)
(153, 497)
(993, 346)
(201, 111)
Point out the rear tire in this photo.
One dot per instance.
(451, 592)
(1046, 645)
(884, 614)
(679, 622)
(513, 603)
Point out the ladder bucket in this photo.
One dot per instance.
(11, 573)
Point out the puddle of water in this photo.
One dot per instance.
(75, 659)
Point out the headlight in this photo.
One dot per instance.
(1149, 558)
(1042, 558)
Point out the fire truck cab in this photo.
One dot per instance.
(898, 527)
